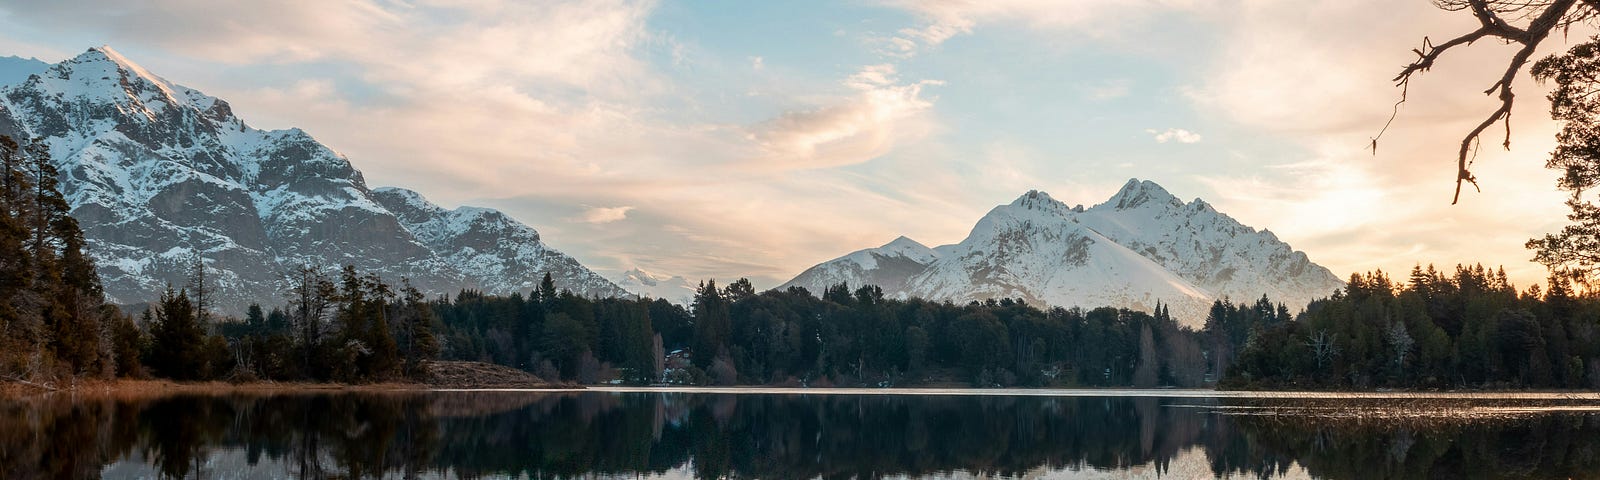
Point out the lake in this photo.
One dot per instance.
(757, 433)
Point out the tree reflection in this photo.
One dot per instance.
(563, 435)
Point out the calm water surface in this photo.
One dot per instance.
(625, 434)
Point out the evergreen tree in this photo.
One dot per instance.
(417, 343)
(546, 291)
(712, 323)
(177, 339)
(53, 318)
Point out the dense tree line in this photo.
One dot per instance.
(54, 322)
(1464, 329)
(355, 328)
(734, 335)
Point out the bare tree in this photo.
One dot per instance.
(1526, 23)
(1323, 347)
(199, 290)
(1400, 343)
(312, 297)
(1574, 252)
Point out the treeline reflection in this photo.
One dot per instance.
(561, 435)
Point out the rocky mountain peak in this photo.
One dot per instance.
(1040, 201)
(1140, 247)
(1137, 193)
(159, 174)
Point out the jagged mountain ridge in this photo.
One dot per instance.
(157, 172)
(1139, 247)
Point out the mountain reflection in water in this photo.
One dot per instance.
(704, 435)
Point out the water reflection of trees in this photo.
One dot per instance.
(1522, 446)
(549, 435)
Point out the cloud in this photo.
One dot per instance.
(1174, 135)
(599, 215)
(1108, 90)
(946, 19)
(882, 113)
(398, 52)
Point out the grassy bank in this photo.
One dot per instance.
(444, 374)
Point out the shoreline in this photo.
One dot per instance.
(155, 388)
(158, 387)
(1102, 392)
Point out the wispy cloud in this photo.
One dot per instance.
(943, 20)
(599, 215)
(1108, 90)
(881, 112)
(1174, 135)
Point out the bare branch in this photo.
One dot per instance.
(1545, 15)
(1536, 33)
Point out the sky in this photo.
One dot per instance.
(724, 139)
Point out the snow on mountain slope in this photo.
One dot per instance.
(487, 244)
(1208, 247)
(157, 173)
(1140, 247)
(16, 69)
(888, 266)
(1034, 250)
(675, 289)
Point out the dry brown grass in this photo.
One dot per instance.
(446, 374)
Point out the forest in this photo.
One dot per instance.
(734, 335)
(1469, 328)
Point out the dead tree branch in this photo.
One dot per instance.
(1546, 16)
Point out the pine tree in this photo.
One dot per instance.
(417, 341)
(52, 315)
(177, 340)
(1147, 371)
(127, 342)
(255, 320)
(547, 292)
(712, 323)
(384, 361)
(16, 332)
(199, 290)
(739, 290)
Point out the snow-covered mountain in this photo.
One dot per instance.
(156, 172)
(1141, 246)
(890, 267)
(675, 289)
(15, 69)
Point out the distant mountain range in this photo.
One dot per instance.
(674, 289)
(1140, 247)
(157, 172)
